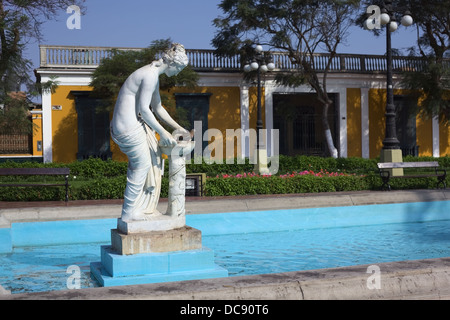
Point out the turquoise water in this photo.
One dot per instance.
(306, 244)
(40, 269)
(259, 253)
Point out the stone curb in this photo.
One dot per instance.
(4, 292)
(422, 279)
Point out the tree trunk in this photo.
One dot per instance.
(326, 102)
(326, 128)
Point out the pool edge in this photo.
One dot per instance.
(418, 279)
(106, 209)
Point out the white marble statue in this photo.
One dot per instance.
(133, 128)
(177, 177)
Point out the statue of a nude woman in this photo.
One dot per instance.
(133, 128)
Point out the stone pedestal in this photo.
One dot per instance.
(392, 155)
(183, 239)
(160, 223)
(143, 257)
(119, 270)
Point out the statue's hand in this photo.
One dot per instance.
(182, 134)
(166, 140)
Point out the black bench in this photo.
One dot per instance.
(386, 176)
(37, 172)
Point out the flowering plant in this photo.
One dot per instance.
(321, 173)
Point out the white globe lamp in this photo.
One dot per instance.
(385, 19)
(393, 26)
(407, 20)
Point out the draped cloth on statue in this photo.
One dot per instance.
(144, 171)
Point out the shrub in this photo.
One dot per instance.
(108, 188)
(32, 194)
(284, 184)
(97, 179)
(96, 168)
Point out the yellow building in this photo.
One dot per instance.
(225, 104)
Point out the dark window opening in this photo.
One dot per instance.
(406, 125)
(93, 128)
(196, 106)
(298, 117)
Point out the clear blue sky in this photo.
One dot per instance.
(136, 23)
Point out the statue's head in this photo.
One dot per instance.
(176, 56)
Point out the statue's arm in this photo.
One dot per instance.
(144, 99)
(162, 113)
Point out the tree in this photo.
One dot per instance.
(432, 18)
(20, 22)
(14, 115)
(431, 83)
(301, 28)
(109, 77)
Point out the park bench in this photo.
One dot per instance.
(385, 172)
(37, 172)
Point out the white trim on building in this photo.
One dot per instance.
(365, 141)
(436, 138)
(63, 78)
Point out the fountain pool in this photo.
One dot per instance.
(48, 256)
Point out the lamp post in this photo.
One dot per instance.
(260, 62)
(391, 151)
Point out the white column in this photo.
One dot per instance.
(365, 142)
(47, 136)
(436, 138)
(269, 120)
(245, 122)
(343, 141)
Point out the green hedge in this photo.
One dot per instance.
(278, 185)
(289, 164)
(95, 179)
(113, 188)
(94, 189)
(95, 168)
(309, 184)
(300, 163)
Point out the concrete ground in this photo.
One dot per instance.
(424, 279)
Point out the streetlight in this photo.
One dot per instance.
(261, 63)
(391, 146)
